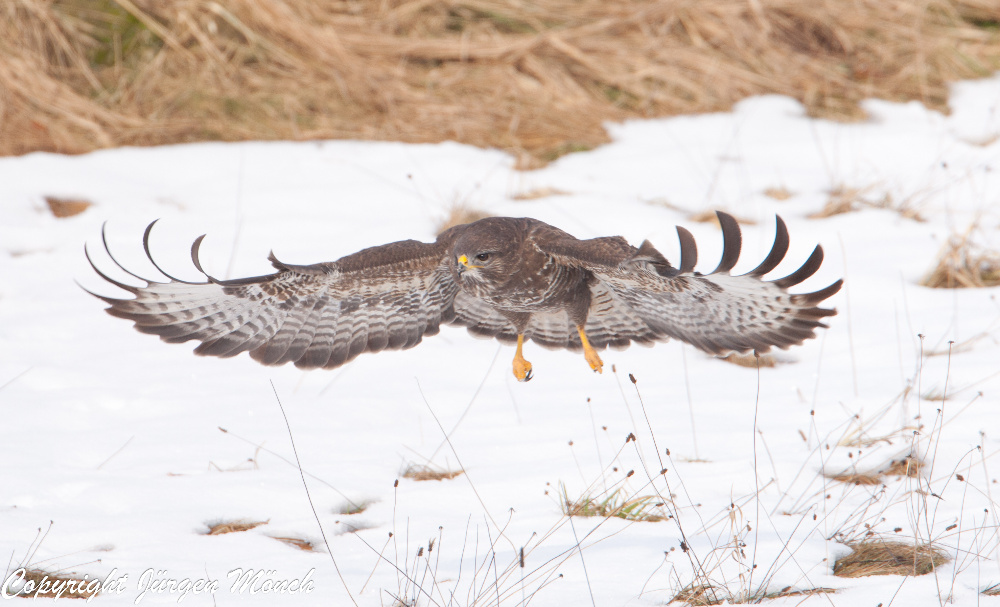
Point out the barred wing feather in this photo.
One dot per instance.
(717, 312)
(320, 315)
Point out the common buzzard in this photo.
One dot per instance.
(512, 279)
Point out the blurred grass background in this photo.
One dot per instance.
(536, 79)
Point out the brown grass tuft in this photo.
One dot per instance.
(710, 217)
(750, 360)
(878, 557)
(67, 207)
(645, 508)
(857, 478)
(233, 526)
(964, 264)
(297, 542)
(789, 591)
(427, 473)
(704, 594)
(354, 507)
(848, 200)
(543, 192)
(993, 590)
(73, 589)
(461, 215)
(779, 193)
(535, 79)
(907, 466)
(701, 594)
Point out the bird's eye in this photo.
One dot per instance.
(483, 256)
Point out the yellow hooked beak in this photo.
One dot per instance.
(462, 259)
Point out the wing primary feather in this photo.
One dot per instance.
(196, 259)
(149, 255)
(108, 300)
(732, 241)
(817, 296)
(196, 253)
(120, 285)
(778, 250)
(107, 249)
(808, 269)
(689, 250)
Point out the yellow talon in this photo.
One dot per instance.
(522, 368)
(589, 352)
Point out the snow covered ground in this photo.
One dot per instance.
(115, 437)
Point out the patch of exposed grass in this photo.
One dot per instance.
(880, 557)
(419, 472)
(233, 526)
(543, 192)
(56, 585)
(536, 79)
(645, 508)
(354, 507)
(67, 207)
(907, 466)
(750, 360)
(780, 193)
(570, 147)
(709, 216)
(935, 394)
(461, 215)
(700, 594)
(964, 264)
(353, 526)
(296, 542)
(843, 199)
(857, 478)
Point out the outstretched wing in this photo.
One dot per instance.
(320, 315)
(716, 312)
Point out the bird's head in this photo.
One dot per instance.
(487, 251)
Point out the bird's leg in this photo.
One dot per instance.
(522, 368)
(589, 352)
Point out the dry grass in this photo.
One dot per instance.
(645, 508)
(964, 264)
(354, 507)
(993, 590)
(857, 478)
(750, 360)
(703, 594)
(848, 200)
(233, 526)
(296, 542)
(907, 466)
(353, 526)
(543, 192)
(461, 215)
(709, 216)
(878, 557)
(429, 473)
(67, 207)
(535, 79)
(54, 589)
(779, 193)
